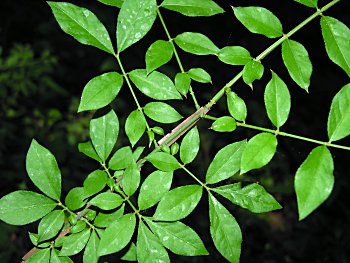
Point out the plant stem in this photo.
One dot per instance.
(193, 176)
(177, 57)
(277, 132)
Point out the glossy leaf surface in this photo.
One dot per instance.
(234, 55)
(158, 54)
(75, 243)
(135, 126)
(190, 146)
(162, 112)
(236, 106)
(224, 230)
(135, 19)
(90, 252)
(100, 91)
(314, 181)
(107, 201)
(95, 182)
(309, 3)
(252, 71)
(199, 75)
(338, 126)
(178, 203)
(104, 132)
(259, 151)
(226, 162)
(277, 101)
(163, 161)
(155, 85)
(193, 7)
(24, 207)
(131, 179)
(259, 20)
(196, 43)
(50, 225)
(224, 124)
(182, 83)
(43, 170)
(82, 24)
(154, 188)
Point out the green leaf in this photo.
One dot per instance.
(75, 243)
(190, 146)
(43, 255)
(336, 36)
(154, 188)
(277, 100)
(178, 238)
(82, 24)
(100, 91)
(24, 207)
(95, 182)
(135, 126)
(75, 198)
(78, 227)
(338, 125)
(259, 20)
(131, 179)
(224, 230)
(196, 43)
(107, 201)
(137, 153)
(162, 112)
(224, 124)
(178, 203)
(193, 7)
(309, 3)
(253, 70)
(116, 3)
(155, 85)
(314, 181)
(182, 83)
(297, 61)
(236, 106)
(226, 162)
(259, 151)
(50, 225)
(57, 259)
(252, 197)
(149, 249)
(43, 170)
(158, 54)
(135, 19)
(87, 149)
(105, 219)
(199, 75)
(90, 252)
(121, 159)
(117, 235)
(104, 133)
(163, 161)
(131, 254)
(234, 55)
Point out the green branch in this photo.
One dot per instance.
(177, 57)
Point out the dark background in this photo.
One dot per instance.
(43, 72)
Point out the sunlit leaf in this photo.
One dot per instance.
(314, 181)
(117, 235)
(154, 188)
(50, 225)
(196, 43)
(182, 83)
(236, 106)
(193, 7)
(131, 179)
(95, 182)
(252, 71)
(42, 255)
(224, 230)
(24, 207)
(135, 19)
(87, 149)
(161, 112)
(158, 54)
(131, 254)
(82, 24)
(234, 55)
(336, 36)
(105, 219)
(75, 198)
(297, 61)
(90, 252)
(226, 162)
(277, 100)
(107, 200)
(155, 85)
(224, 124)
(309, 3)
(178, 203)
(116, 3)
(199, 75)
(121, 159)
(259, 151)
(104, 132)
(43, 170)
(259, 20)
(338, 126)
(75, 243)
(253, 197)
(163, 161)
(100, 91)
(135, 126)
(190, 146)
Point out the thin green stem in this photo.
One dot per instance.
(177, 57)
(194, 177)
(120, 191)
(277, 132)
(76, 215)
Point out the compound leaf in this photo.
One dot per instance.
(162, 112)
(107, 200)
(193, 7)
(234, 55)
(131, 179)
(95, 182)
(135, 126)
(196, 43)
(158, 54)
(50, 225)
(90, 252)
(224, 124)
(236, 106)
(190, 146)
(75, 243)
(253, 70)
(199, 75)
(163, 161)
